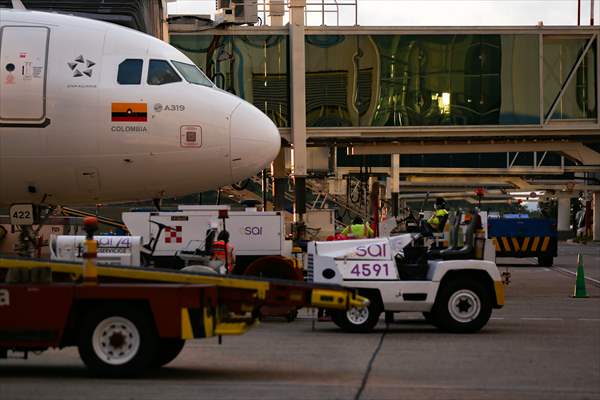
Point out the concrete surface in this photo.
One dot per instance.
(542, 345)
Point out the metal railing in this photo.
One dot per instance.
(322, 7)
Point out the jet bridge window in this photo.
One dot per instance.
(160, 72)
(130, 72)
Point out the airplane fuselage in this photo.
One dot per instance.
(92, 112)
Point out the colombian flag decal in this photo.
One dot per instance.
(129, 112)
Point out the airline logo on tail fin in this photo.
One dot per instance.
(129, 112)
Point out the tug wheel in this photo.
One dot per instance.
(462, 306)
(358, 320)
(117, 341)
(168, 349)
(277, 267)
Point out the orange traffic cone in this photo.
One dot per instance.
(580, 291)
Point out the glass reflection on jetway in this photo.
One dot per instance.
(560, 56)
(421, 80)
(253, 67)
(363, 80)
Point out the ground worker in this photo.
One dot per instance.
(221, 248)
(358, 230)
(439, 218)
(579, 223)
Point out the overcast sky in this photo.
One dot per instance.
(438, 12)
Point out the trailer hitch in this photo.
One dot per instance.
(339, 299)
(505, 277)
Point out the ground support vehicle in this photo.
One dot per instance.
(454, 290)
(166, 239)
(254, 234)
(181, 238)
(133, 319)
(525, 237)
(112, 250)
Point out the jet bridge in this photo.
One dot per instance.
(143, 15)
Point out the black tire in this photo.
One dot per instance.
(462, 306)
(168, 349)
(291, 316)
(358, 325)
(428, 317)
(545, 261)
(117, 341)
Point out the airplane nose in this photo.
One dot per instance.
(255, 141)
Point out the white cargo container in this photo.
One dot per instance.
(112, 250)
(254, 234)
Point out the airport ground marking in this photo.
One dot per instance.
(541, 319)
(575, 274)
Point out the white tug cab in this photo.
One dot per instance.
(455, 288)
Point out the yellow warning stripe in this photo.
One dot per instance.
(327, 298)
(495, 240)
(545, 243)
(499, 289)
(534, 245)
(516, 245)
(525, 243)
(505, 243)
(209, 324)
(261, 287)
(186, 325)
(187, 331)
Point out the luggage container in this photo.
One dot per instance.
(525, 237)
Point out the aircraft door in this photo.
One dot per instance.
(23, 61)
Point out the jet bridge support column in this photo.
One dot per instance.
(596, 216)
(395, 183)
(276, 12)
(298, 99)
(564, 217)
(279, 181)
(280, 178)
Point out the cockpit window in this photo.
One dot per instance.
(130, 72)
(160, 72)
(192, 74)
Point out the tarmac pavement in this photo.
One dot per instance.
(543, 344)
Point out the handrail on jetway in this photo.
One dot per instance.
(322, 7)
(102, 220)
(73, 217)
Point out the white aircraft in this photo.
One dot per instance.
(92, 112)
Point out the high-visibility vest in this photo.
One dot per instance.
(436, 220)
(358, 231)
(219, 249)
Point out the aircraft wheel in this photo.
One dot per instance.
(118, 341)
(358, 320)
(462, 306)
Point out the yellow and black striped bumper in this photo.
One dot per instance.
(524, 246)
(196, 323)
